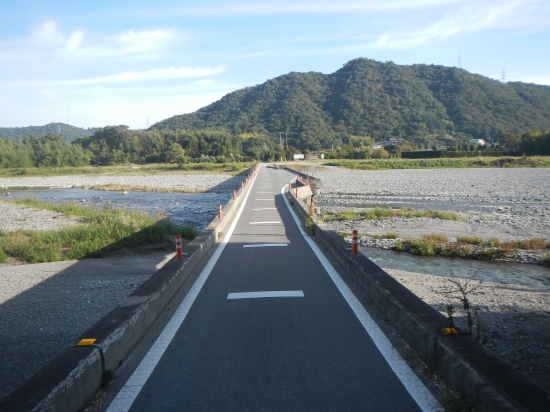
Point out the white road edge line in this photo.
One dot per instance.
(267, 245)
(268, 294)
(421, 395)
(125, 398)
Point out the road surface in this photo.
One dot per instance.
(269, 325)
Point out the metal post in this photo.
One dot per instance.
(354, 242)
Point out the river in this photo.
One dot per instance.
(197, 209)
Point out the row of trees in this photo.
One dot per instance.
(45, 151)
(536, 142)
(113, 145)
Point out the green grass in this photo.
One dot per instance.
(379, 213)
(103, 230)
(443, 163)
(233, 168)
(347, 215)
(470, 240)
(435, 244)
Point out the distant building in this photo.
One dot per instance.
(308, 156)
(480, 142)
(389, 142)
(392, 142)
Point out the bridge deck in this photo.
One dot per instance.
(269, 325)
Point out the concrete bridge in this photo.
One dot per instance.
(270, 325)
(256, 316)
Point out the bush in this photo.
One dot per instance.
(470, 240)
(347, 215)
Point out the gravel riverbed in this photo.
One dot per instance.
(197, 182)
(505, 203)
(508, 204)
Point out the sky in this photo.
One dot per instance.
(134, 63)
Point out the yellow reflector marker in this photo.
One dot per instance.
(86, 342)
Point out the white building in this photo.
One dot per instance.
(479, 142)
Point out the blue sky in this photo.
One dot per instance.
(126, 62)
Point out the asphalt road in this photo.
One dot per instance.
(267, 327)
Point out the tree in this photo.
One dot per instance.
(175, 154)
(380, 153)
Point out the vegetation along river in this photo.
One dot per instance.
(197, 209)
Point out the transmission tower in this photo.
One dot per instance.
(459, 61)
(68, 118)
(503, 75)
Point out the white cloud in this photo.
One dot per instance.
(469, 18)
(141, 41)
(49, 36)
(74, 40)
(316, 7)
(169, 73)
(48, 33)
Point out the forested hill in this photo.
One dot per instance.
(421, 103)
(68, 132)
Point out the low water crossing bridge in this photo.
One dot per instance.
(270, 325)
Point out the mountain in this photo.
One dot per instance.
(421, 103)
(68, 132)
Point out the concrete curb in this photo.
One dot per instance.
(71, 379)
(465, 365)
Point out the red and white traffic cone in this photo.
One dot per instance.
(179, 251)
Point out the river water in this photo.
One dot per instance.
(197, 209)
(532, 276)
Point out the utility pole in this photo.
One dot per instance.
(281, 145)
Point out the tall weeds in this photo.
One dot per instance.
(103, 230)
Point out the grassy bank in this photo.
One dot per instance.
(379, 213)
(103, 230)
(442, 163)
(232, 168)
(466, 246)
